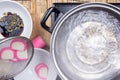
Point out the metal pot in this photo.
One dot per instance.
(85, 42)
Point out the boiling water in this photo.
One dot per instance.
(93, 45)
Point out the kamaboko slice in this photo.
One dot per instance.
(22, 55)
(7, 53)
(42, 71)
(18, 44)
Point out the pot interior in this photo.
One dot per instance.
(86, 43)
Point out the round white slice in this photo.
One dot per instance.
(43, 72)
(7, 54)
(18, 46)
(22, 55)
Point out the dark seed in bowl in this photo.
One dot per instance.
(12, 24)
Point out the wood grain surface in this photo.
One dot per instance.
(37, 9)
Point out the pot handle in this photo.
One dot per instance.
(45, 18)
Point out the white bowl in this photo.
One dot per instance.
(40, 56)
(15, 7)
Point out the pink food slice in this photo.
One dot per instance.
(7, 53)
(42, 71)
(18, 44)
(22, 55)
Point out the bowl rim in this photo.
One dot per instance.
(27, 12)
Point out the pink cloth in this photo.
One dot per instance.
(38, 42)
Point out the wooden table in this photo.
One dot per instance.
(37, 9)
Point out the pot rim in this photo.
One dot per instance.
(66, 16)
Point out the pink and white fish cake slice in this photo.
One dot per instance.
(18, 44)
(7, 53)
(42, 71)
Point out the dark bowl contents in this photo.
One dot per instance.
(12, 24)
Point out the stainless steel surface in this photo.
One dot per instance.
(10, 69)
(66, 58)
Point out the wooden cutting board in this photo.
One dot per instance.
(37, 9)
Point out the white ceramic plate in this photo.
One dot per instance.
(15, 7)
(40, 56)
